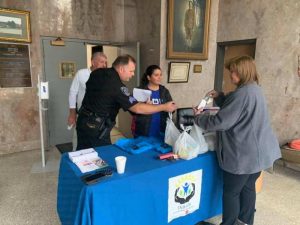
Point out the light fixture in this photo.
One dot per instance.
(58, 42)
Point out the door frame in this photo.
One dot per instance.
(47, 115)
(45, 119)
(221, 46)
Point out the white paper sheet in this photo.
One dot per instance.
(141, 95)
(84, 154)
(87, 160)
(91, 164)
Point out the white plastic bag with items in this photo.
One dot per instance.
(197, 134)
(171, 133)
(211, 140)
(185, 146)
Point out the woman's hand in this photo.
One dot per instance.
(197, 111)
(212, 94)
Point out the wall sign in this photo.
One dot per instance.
(14, 65)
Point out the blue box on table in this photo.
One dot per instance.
(142, 144)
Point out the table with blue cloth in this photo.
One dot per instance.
(140, 195)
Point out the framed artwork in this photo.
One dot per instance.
(67, 69)
(14, 25)
(197, 68)
(188, 28)
(179, 72)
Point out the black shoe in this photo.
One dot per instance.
(238, 222)
(204, 223)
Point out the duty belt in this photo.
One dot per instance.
(87, 112)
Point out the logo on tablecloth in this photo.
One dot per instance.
(184, 194)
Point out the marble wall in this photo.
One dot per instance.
(189, 94)
(115, 21)
(275, 26)
(148, 34)
(143, 24)
(274, 23)
(101, 20)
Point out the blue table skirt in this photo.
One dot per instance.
(138, 197)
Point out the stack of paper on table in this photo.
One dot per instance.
(82, 154)
(87, 160)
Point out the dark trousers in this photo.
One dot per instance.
(87, 136)
(239, 196)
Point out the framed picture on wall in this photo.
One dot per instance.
(188, 28)
(179, 72)
(14, 25)
(67, 69)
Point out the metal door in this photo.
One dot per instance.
(125, 118)
(73, 53)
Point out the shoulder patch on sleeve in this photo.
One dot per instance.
(125, 91)
(132, 99)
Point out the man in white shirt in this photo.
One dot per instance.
(77, 90)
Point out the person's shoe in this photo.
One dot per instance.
(238, 222)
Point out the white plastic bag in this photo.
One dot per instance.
(171, 133)
(211, 140)
(185, 146)
(196, 134)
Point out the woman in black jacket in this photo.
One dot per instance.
(153, 125)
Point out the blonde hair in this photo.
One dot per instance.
(245, 68)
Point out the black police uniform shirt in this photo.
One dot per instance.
(106, 94)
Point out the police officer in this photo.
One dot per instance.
(105, 95)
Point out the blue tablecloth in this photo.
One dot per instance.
(138, 197)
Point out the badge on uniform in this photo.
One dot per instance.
(125, 91)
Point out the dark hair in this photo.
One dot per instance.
(149, 71)
(123, 60)
(97, 48)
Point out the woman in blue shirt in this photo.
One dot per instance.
(153, 125)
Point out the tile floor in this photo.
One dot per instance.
(28, 192)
